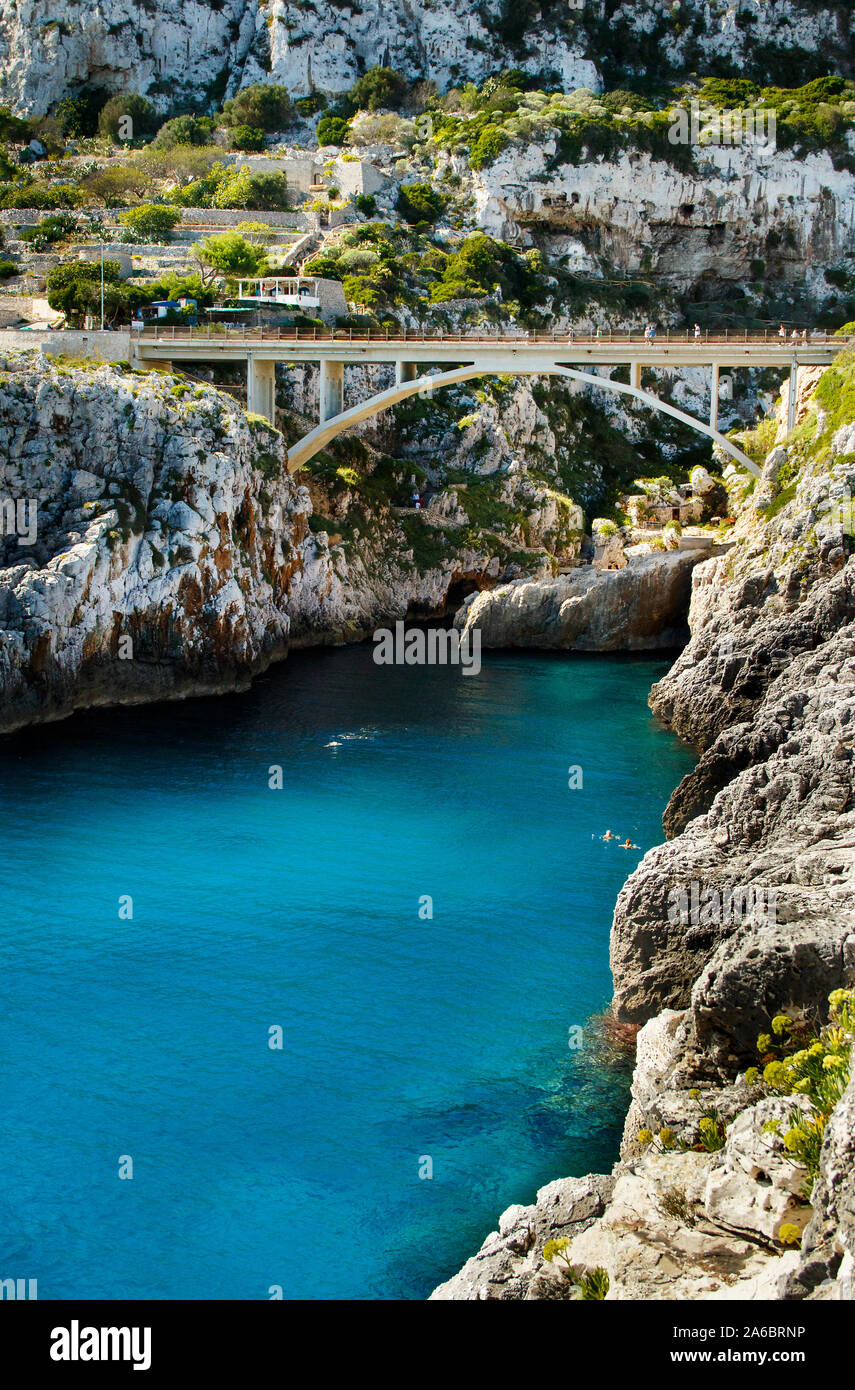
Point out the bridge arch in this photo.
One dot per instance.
(317, 438)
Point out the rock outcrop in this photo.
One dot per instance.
(690, 228)
(509, 1264)
(642, 607)
(166, 534)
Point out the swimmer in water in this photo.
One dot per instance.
(609, 836)
(627, 844)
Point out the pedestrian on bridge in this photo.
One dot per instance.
(697, 331)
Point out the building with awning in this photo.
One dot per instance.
(302, 294)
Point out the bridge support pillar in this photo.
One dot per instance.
(635, 375)
(261, 388)
(332, 389)
(405, 371)
(791, 403)
(714, 397)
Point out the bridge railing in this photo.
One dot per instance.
(616, 337)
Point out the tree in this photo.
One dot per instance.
(151, 222)
(74, 286)
(264, 106)
(225, 187)
(378, 88)
(129, 117)
(13, 127)
(333, 130)
(184, 130)
(418, 202)
(181, 162)
(115, 186)
(266, 193)
(229, 254)
(246, 137)
(78, 114)
(175, 286)
(324, 267)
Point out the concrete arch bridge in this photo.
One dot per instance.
(463, 357)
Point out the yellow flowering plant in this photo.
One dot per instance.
(591, 1285)
(819, 1071)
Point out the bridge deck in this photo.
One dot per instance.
(611, 348)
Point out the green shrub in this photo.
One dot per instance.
(481, 265)
(378, 89)
(310, 105)
(263, 106)
(115, 114)
(185, 130)
(419, 202)
(47, 197)
(333, 130)
(487, 146)
(14, 127)
(246, 137)
(151, 222)
(48, 231)
(9, 268)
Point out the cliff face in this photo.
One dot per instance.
(166, 532)
(763, 854)
(686, 228)
(194, 52)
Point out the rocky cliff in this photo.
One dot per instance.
(162, 532)
(194, 53)
(694, 229)
(641, 607)
(741, 925)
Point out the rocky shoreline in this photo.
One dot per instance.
(766, 690)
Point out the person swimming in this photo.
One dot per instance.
(627, 844)
(609, 836)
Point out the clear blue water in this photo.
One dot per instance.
(403, 1038)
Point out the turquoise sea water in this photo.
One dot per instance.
(404, 1038)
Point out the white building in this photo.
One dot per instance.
(317, 298)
